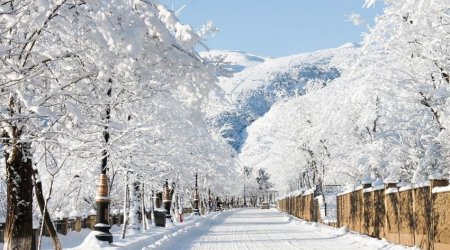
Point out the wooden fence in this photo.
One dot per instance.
(302, 206)
(414, 216)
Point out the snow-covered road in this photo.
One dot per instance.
(268, 229)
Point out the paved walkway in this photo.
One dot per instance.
(269, 229)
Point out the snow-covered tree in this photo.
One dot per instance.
(97, 86)
(385, 117)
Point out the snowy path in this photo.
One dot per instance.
(269, 229)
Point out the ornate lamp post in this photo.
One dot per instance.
(102, 199)
(196, 197)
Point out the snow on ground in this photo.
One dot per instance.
(235, 229)
(85, 240)
(140, 240)
(269, 229)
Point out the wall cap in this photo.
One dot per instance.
(391, 191)
(441, 189)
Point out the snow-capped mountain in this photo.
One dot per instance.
(256, 83)
(235, 61)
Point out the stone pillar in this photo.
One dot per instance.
(78, 224)
(91, 221)
(102, 200)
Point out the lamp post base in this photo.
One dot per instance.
(102, 200)
(196, 212)
(103, 236)
(167, 204)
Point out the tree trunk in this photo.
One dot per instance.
(135, 207)
(42, 206)
(19, 220)
(125, 218)
(144, 216)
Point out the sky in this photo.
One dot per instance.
(276, 28)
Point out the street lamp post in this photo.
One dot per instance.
(102, 200)
(167, 199)
(196, 197)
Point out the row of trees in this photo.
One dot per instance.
(387, 117)
(91, 87)
(256, 185)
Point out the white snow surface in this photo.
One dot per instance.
(85, 240)
(269, 229)
(234, 229)
(141, 240)
(441, 189)
(238, 60)
(259, 71)
(256, 83)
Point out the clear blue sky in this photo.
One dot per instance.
(276, 27)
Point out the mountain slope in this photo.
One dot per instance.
(235, 61)
(260, 82)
